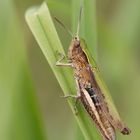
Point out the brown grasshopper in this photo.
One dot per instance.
(88, 90)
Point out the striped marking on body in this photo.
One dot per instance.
(101, 125)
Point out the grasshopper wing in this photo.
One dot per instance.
(104, 97)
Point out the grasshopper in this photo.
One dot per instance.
(88, 89)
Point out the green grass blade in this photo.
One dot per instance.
(88, 29)
(19, 119)
(88, 24)
(42, 27)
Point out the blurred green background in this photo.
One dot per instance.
(30, 103)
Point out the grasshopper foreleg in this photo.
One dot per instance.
(60, 63)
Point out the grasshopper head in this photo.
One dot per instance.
(74, 48)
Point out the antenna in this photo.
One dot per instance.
(79, 21)
(70, 33)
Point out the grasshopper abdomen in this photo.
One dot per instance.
(103, 125)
